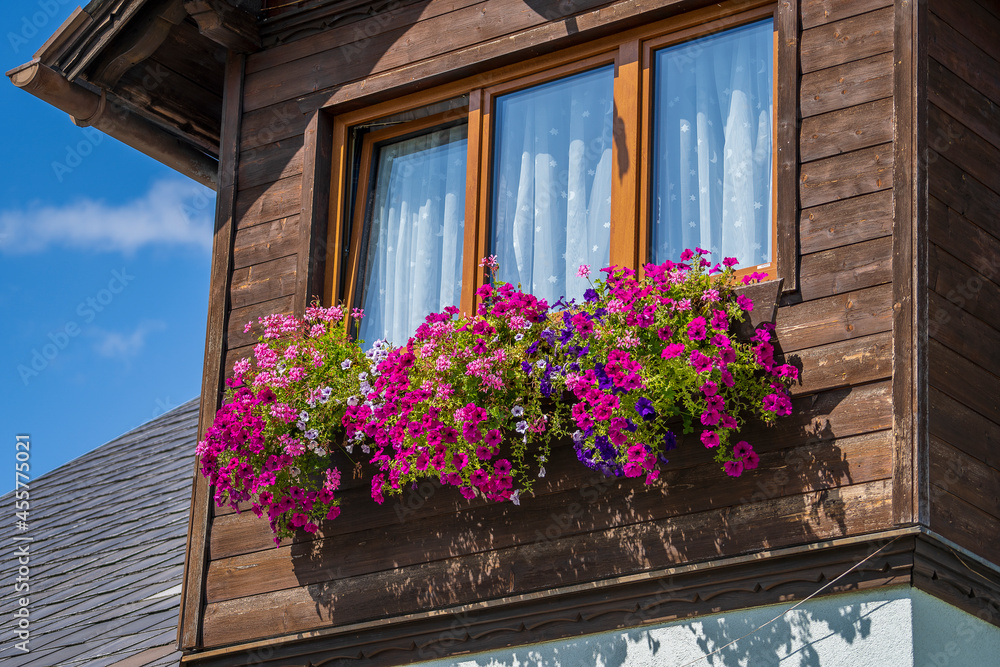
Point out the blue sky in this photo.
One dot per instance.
(104, 268)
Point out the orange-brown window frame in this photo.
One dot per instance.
(631, 53)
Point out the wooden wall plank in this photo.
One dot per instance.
(838, 413)
(846, 85)
(272, 123)
(844, 41)
(269, 202)
(846, 268)
(963, 380)
(821, 466)
(240, 316)
(266, 241)
(349, 41)
(271, 162)
(848, 175)
(969, 62)
(846, 130)
(965, 334)
(973, 291)
(843, 364)
(963, 103)
(953, 422)
(482, 22)
(835, 318)
(818, 12)
(854, 509)
(263, 282)
(976, 24)
(967, 196)
(955, 234)
(978, 158)
(965, 524)
(846, 221)
(968, 478)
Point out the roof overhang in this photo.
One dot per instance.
(147, 72)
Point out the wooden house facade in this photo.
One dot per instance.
(885, 237)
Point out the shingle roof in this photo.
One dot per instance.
(107, 558)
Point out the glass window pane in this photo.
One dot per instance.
(552, 183)
(413, 253)
(712, 141)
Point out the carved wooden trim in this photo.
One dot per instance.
(144, 37)
(225, 24)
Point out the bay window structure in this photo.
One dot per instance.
(619, 151)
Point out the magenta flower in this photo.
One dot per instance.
(733, 468)
(741, 449)
(696, 329)
(672, 350)
(583, 271)
(710, 439)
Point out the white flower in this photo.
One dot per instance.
(541, 471)
(345, 364)
(516, 497)
(517, 411)
(304, 416)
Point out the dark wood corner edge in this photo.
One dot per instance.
(213, 373)
(787, 24)
(316, 171)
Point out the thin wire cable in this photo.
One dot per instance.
(800, 602)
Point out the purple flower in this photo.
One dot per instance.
(590, 295)
(734, 468)
(645, 408)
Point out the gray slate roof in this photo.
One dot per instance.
(107, 558)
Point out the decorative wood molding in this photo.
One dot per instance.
(228, 25)
(143, 38)
(910, 556)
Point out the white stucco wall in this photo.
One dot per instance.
(888, 627)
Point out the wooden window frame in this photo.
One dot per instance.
(631, 52)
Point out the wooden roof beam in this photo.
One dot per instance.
(232, 27)
(88, 108)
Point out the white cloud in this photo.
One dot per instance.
(172, 212)
(118, 345)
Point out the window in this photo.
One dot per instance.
(551, 186)
(621, 151)
(410, 226)
(712, 165)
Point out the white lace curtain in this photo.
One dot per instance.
(413, 262)
(713, 146)
(552, 183)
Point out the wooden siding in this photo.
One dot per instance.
(963, 311)
(825, 473)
